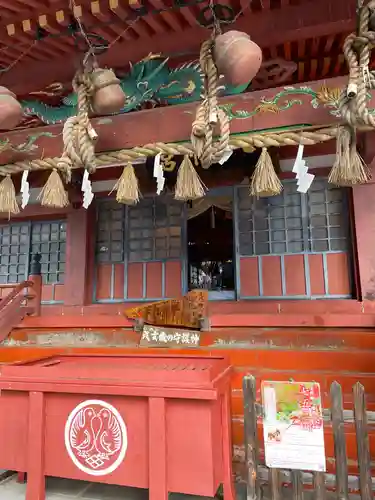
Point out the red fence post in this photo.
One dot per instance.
(35, 277)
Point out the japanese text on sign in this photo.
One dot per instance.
(164, 337)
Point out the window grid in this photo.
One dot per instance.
(49, 239)
(328, 219)
(153, 231)
(19, 241)
(111, 231)
(14, 250)
(293, 222)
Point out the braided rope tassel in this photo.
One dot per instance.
(78, 134)
(209, 117)
(349, 168)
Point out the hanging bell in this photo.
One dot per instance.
(108, 95)
(237, 57)
(11, 111)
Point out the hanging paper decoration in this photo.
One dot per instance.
(86, 188)
(25, 189)
(300, 168)
(227, 154)
(159, 174)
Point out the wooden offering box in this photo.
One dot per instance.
(149, 421)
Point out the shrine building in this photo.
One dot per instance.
(270, 211)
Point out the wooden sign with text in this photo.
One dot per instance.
(156, 336)
(186, 312)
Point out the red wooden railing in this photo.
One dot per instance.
(20, 302)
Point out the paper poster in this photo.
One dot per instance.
(293, 425)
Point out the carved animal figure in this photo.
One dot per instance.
(149, 80)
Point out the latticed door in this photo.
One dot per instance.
(293, 245)
(140, 250)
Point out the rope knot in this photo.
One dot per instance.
(357, 51)
(209, 116)
(78, 134)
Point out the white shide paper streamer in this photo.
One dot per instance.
(86, 188)
(159, 174)
(300, 168)
(25, 189)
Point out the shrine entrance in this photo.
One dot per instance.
(211, 244)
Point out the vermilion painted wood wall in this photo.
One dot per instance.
(337, 271)
(143, 281)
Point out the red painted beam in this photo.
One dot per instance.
(268, 28)
(173, 123)
(92, 318)
(94, 321)
(293, 320)
(37, 211)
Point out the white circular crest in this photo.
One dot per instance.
(96, 437)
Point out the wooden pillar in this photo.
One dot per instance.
(364, 224)
(364, 220)
(36, 485)
(75, 283)
(157, 470)
(35, 276)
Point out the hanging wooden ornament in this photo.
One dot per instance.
(10, 109)
(108, 95)
(127, 187)
(188, 185)
(53, 193)
(265, 181)
(237, 57)
(8, 199)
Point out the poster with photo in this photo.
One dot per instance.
(293, 425)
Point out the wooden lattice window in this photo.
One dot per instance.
(293, 222)
(148, 231)
(294, 246)
(14, 252)
(49, 239)
(19, 241)
(328, 218)
(110, 232)
(155, 230)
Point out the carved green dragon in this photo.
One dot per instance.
(149, 80)
(152, 81)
